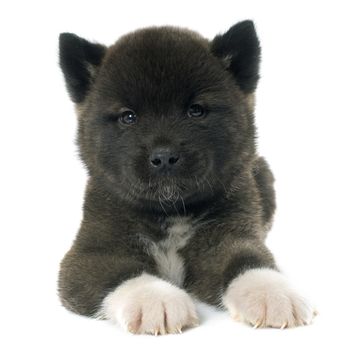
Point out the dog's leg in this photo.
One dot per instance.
(256, 292)
(148, 304)
(126, 290)
(240, 274)
(263, 298)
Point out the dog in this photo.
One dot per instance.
(178, 203)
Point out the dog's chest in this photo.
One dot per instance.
(166, 252)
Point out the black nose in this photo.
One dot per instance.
(162, 158)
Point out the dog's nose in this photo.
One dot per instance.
(162, 158)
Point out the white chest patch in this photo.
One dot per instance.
(165, 252)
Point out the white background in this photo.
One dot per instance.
(303, 122)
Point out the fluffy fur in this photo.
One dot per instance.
(147, 304)
(167, 96)
(264, 298)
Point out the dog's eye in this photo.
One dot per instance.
(196, 111)
(128, 117)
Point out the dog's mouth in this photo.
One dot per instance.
(170, 195)
(168, 190)
(171, 190)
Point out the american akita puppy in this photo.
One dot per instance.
(178, 202)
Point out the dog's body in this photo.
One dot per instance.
(177, 198)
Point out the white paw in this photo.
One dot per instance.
(263, 298)
(147, 304)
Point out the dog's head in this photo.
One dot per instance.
(164, 114)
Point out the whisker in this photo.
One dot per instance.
(221, 183)
(207, 181)
(183, 204)
(197, 183)
(160, 202)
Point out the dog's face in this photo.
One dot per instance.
(164, 115)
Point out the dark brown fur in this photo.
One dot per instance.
(221, 183)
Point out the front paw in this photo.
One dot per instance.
(147, 304)
(263, 298)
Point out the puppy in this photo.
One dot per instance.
(178, 203)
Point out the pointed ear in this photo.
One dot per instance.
(79, 61)
(239, 48)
